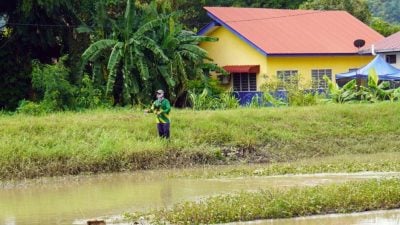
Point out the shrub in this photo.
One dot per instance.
(88, 97)
(228, 101)
(52, 85)
(296, 92)
(206, 101)
(373, 91)
(30, 108)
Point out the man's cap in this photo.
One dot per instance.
(160, 92)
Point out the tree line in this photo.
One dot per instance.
(73, 54)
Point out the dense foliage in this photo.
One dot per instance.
(386, 9)
(358, 8)
(126, 65)
(353, 91)
(374, 13)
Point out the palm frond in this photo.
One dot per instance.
(111, 81)
(197, 39)
(129, 18)
(191, 56)
(153, 46)
(195, 49)
(84, 29)
(115, 56)
(181, 67)
(150, 26)
(166, 75)
(112, 66)
(95, 49)
(214, 67)
(142, 68)
(127, 77)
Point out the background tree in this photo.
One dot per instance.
(383, 27)
(41, 30)
(388, 10)
(358, 8)
(132, 48)
(195, 17)
(46, 30)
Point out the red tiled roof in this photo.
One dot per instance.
(243, 69)
(280, 31)
(389, 44)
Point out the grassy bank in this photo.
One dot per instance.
(271, 204)
(118, 140)
(378, 162)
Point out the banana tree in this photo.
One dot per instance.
(188, 61)
(375, 91)
(341, 95)
(131, 47)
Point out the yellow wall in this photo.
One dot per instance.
(304, 64)
(231, 50)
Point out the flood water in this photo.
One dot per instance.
(389, 217)
(67, 200)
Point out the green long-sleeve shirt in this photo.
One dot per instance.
(161, 108)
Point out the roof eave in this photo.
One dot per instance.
(219, 21)
(388, 50)
(208, 28)
(317, 54)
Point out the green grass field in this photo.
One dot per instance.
(122, 139)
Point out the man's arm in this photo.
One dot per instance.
(152, 108)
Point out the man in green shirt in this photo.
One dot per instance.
(161, 107)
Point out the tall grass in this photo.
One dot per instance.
(270, 204)
(117, 140)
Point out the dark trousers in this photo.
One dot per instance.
(163, 130)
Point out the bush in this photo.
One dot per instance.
(88, 97)
(52, 85)
(31, 108)
(228, 101)
(206, 101)
(373, 91)
(296, 93)
(210, 84)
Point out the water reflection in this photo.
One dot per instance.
(388, 217)
(10, 221)
(63, 200)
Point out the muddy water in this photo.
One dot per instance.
(390, 217)
(68, 199)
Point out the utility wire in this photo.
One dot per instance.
(274, 17)
(229, 21)
(40, 25)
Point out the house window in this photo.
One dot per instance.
(391, 59)
(244, 82)
(287, 77)
(317, 78)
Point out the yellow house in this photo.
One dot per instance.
(257, 45)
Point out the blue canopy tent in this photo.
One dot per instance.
(384, 70)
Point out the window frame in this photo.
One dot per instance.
(320, 83)
(245, 79)
(391, 59)
(286, 78)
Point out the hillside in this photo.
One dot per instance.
(386, 9)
